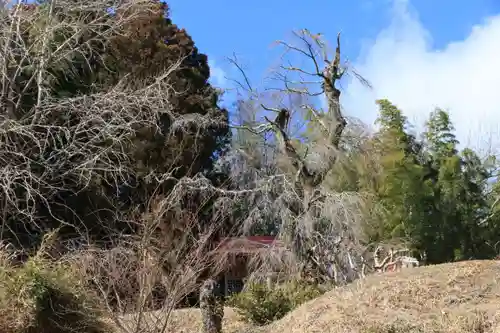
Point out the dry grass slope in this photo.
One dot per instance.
(457, 297)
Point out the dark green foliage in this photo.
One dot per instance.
(430, 194)
(150, 46)
(261, 305)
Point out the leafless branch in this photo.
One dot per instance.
(246, 85)
(395, 260)
(172, 261)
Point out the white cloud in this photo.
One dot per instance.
(463, 77)
(217, 75)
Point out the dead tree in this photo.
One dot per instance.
(320, 226)
(331, 258)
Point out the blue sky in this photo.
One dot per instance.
(396, 44)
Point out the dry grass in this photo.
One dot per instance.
(44, 297)
(458, 297)
(188, 321)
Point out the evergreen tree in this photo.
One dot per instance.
(459, 182)
(474, 207)
(401, 191)
(443, 224)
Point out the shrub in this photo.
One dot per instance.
(260, 305)
(298, 292)
(42, 296)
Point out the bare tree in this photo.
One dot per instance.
(155, 269)
(43, 148)
(55, 146)
(211, 308)
(322, 227)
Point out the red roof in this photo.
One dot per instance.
(248, 243)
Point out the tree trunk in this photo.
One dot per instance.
(310, 179)
(212, 309)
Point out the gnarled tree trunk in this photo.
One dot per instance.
(309, 179)
(212, 309)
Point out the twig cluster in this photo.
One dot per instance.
(156, 268)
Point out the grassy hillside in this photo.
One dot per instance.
(455, 297)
